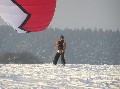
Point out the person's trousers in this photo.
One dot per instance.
(57, 57)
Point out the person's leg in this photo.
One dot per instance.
(62, 59)
(56, 58)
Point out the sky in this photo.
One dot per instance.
(86, 13)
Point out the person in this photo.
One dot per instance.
(61, 46)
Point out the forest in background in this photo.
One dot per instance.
(84, 46)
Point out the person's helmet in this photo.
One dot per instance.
(62, 36)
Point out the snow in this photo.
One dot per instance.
(48, 76)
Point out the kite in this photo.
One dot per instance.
(27, 15)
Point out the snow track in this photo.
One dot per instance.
(48, 76)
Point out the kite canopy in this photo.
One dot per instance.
(27, 15)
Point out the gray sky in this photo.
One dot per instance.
(86, 13)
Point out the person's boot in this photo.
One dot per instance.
(54, 63)
(63, 64)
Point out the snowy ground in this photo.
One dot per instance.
(48, 76)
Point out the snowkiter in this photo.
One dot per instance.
(61, 46)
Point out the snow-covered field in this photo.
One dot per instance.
(48, 76)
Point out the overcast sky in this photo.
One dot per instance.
(86, 13)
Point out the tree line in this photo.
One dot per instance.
(84, 46)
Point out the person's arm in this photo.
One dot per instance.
(56, 44)
(64, 45)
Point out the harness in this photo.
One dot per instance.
(60, 46)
